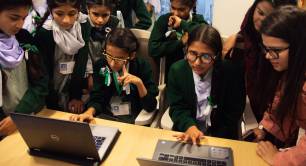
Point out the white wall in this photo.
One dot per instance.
(228, 15)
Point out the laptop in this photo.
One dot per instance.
(74, 142)
(174, 153)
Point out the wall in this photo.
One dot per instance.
(228, 15)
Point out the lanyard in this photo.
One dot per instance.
(118, 86)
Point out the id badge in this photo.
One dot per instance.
(120, 108)
(66, 67)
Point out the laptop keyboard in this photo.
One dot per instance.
(98, 141)
(177, 159)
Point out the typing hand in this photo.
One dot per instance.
(75, 106)
(82, 118)
(267, 151)
(7, 126)
(192, 133)
(174, 21)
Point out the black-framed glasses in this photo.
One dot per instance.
(192, 56)
(109, 57)
(274, 52)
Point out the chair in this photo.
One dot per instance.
(166, 121)
(144, 117)
(249, 121)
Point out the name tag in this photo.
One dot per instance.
(66, 67)
(120, 108)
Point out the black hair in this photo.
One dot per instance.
(124, 39)
(12, 4)
(56, 3)
(208, 35)
(189, 3)
(287, 23)
(212, 38)
(110, 4)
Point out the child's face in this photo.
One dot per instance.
(99, 15)
(261, 11)
(65, 16)
(180, 10)
(116, 57)
(200, 57)
(11, 21)
(277, 52)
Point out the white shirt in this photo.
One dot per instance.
(202, 89)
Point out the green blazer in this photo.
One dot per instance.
(160, 46)
(45, 41)
(34, 98)
(101, 94)
(228, 93)
(138, 6)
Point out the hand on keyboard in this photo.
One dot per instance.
(192, 134)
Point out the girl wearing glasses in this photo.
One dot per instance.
(123, 83)
(23, 83)
(246, 46)
(283, 92)
(63, 41)
(206, 95)
(169, 34)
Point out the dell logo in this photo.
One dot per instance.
(55, 138)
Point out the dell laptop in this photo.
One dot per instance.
(74, 142)
(174, 153)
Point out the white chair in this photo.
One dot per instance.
(249, 121)
(166, 122)
(144, 117)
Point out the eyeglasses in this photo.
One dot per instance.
(274, 52)
(119, 61)
(192, 56)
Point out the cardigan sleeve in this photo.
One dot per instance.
(34, 98)
(179, 112)
(81, 59)
(142, 15)
(159, 45)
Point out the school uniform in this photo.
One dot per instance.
(63, 87)
(227, 99)
(105, 89)
(172, 47)
(127, 6)
(20, 92)
(296, 155)
(98, 37)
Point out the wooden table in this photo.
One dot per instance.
(134, 141)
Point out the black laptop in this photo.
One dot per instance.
(174, 153)
(74, 142)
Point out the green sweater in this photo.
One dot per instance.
(228, 93)
(138, 6)
(160, 46)
(34, 98)
(45, 41)
(101, 94)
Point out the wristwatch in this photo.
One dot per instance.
(260, 126)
